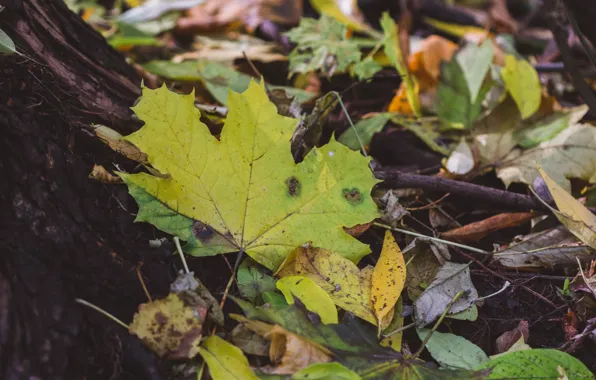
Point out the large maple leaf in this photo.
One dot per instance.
(244, 191)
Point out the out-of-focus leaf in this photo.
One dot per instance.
(461, 160)
(571, 154)
(159, 25)
(169, 327)
(451, 278)
(478, 230)
(225, 361)
(153, 9)
(546, 249)
(326, 371)
(253, 280)
(453, 351)
(395, 55)
(366, 68)
(523, 84)
(456, 30)
(344, 11)
(475, 62)
(249, 341)
(425, 129)
(6, 44)
(547, 128)
(536, 364)
(366, 129)
(388, 278)
(312, 296)
(575, 216)
(128, 36)
(348, 286)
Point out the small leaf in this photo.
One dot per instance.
(475, 62)
(453, 351)
(117, 143)
(470, 314)
(451, 278)
(388, 278)
(225, 361)
(461, 160)
(249, 341)
(575, 216)
(169, 327)
(366, 68)
(326, 371)
(522, 82)
(99, 173)
(312, 296)
(548, 127)
(536, 364)
(475, 231)
(6, 44)
(366, 128)
(253, 281)
(348, 286)
(421, 270)
(331, 8)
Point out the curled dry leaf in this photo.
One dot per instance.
(509, 338)
(475, 231)
(117, 143)
(99, 173)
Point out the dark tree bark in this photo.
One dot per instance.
(63, 235)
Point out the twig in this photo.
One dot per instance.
(508, 199)
(403, 328)
(179, 248)
(102, 311)
(140, 276)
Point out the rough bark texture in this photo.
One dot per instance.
(63, 235)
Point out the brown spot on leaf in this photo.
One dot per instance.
(202, 231)
(293, 186)
(353, 196)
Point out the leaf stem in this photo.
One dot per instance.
(102, 311)
(438, 323)
(446, 242)
(179, 249)
(399, 330)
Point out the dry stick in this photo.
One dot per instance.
(438, 323)
(102, 311)
(403, 328)
(140, 276)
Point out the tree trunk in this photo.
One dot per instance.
(63, 235)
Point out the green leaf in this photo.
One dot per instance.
(244, 191)
(539, 363)
(326, 371)
(470, 314)
(395, 55)
(548, 127)
(312, 296)
(425, 129)
(454, 105)
(366, 68)
(218, 78)
(253, 281)
(366, 129)
(522, 83)
(453, 351)
(225, 361)
(274, 299)
(475, 62)
(6, 44)
(129, 35)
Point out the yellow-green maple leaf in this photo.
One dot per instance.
(244, 191)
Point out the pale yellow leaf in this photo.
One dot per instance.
(225, 361)
(310, 294)
(388, 278)
(523, 84)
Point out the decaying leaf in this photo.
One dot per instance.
(478, 230)
(310, 127)
(253, 281)
(523, 84)
(509, 338)
(453, 351)
(169, 327)
(546, 249)
(451, 278)
(244, 191)
(393, 211)
(348, 286)
(99, 173)
(388, 278)
(117, 143)
(193, 293)
(249, 341)
(312, 296)
(225, 361)
(421, 270)
(575, 216)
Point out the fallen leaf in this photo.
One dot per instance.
(6, 44)
(506, 340)
(326, 371)
(452, 351)
(569, 155)
(194, 294)
(225, 361)
(365, 68)
(426, 129)
(572, 214)
(244, 191)
(348, 286)
(99, 173)
(344, 11)
(169, 327)
(393, 211)
(312, 296)
(461, 160)
(249, 341)
(153, 9)
(519, 345)
(454, 29)
(470, 314)
(395, 340)
(364, 130)
(421, 270)
(425, 64)
(451, 278)
(475, 62)
(522, 83)
(528, 136)
(253, 281)
(546, 249)
(117, 143)
(310, 127)
(478, 230)
(388, 278)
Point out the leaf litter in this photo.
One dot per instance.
(285, 182)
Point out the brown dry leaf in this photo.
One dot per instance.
(501, 19)
(115, 141)
(358, 229)
(509, 338)
(217, 15)
(99, 173)
(170, 327)
(289, 352)
(475, 231)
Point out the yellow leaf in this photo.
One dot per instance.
(388, 278)
(575, 216)
(289, 352)
(454, 29)
(522, 83)
(244, 191)
(395, 55)
(225, 361)
(348, 287)
(169, 327)
(312, 296)
(347, 13)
